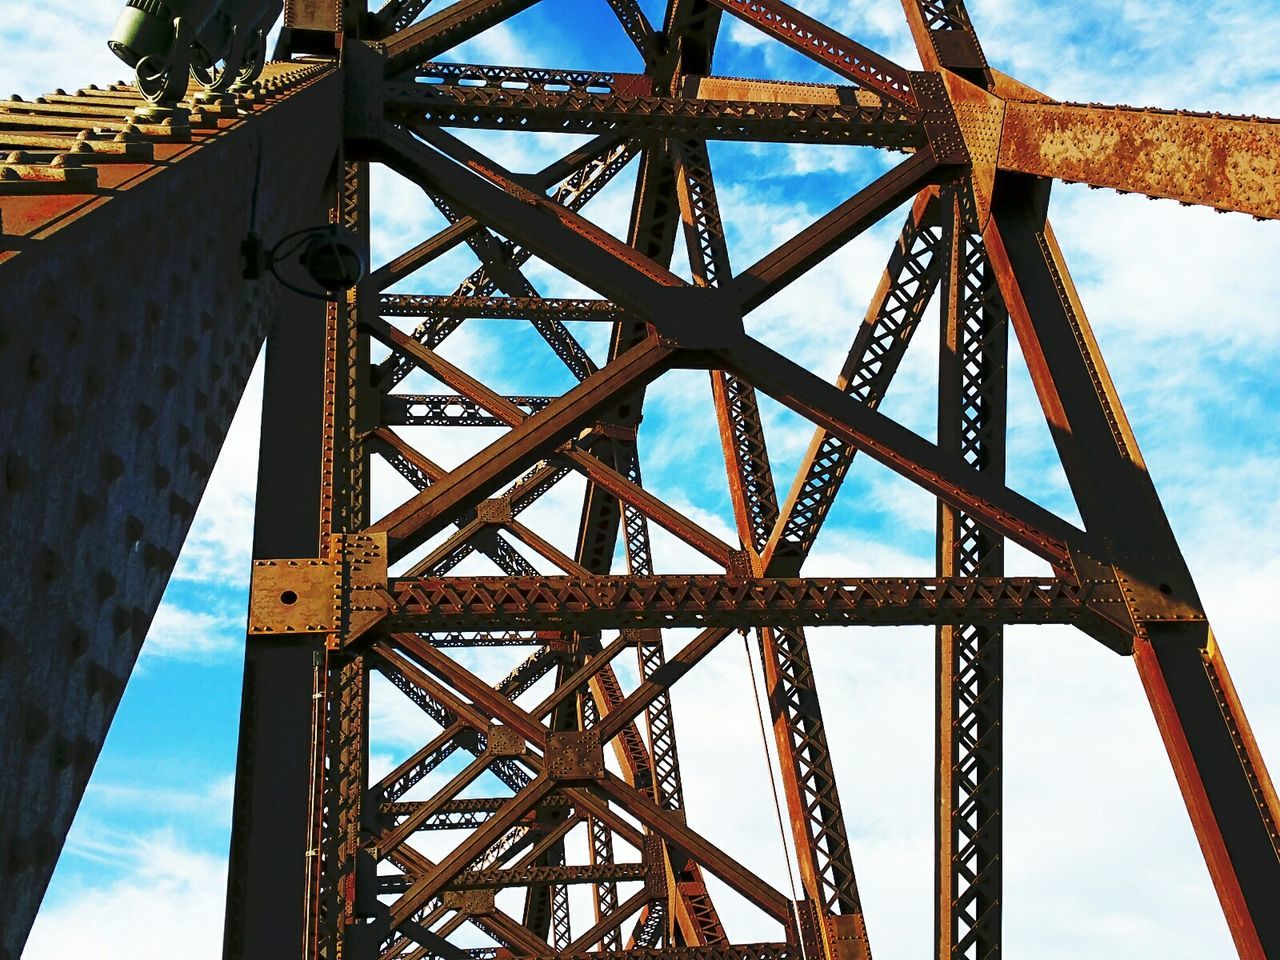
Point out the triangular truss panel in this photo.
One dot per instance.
(544, 813)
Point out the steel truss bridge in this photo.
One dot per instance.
(121, 371)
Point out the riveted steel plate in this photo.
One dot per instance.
(293, 596)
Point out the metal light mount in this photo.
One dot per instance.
(255, 54)
(155, 37)
(329, 256)
(221, 42)
(230, 51)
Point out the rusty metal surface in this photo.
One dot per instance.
(322, 857)
(547, 603)
(321, 15)
(1203, 725)
(143, 319)
(969, 767)
(819, 41)
(847, 121)
(63, 156)
(1224, 162)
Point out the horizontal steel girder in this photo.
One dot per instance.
(498, 308)
(699, 601)
(1228, 163)
(582, 111)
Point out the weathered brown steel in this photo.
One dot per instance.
(579, 111)
(1229, 163)
(972, 400)
(323, 861)
(547, 603)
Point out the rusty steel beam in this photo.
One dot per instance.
(945, 38)
(1229, 793)
(337, 897)
(453, 25)
(601, 849)
(400, 780)
(566, 240)
(1219, 767)
(747, 951)
(575, 179)
(969, 756)
(1228, 163)
(582, 111)
(673, 829)
(394, 16)
(494, 254)
(473, 534)
(414, 522)
(449, 410)
(769, 275)
(545, 876)
(818, 41)
(953, 481)
(548, 603)
(1104, 467)
(497, 308)
(906, 289)
(775, 91)
(637, 26)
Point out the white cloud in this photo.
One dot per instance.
(59, 44)
(181, 634)
(212, 802)
(171, 895)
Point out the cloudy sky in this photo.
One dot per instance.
(1100, 857)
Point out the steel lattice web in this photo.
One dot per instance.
(559, 773)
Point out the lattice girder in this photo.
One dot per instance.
(596, 758)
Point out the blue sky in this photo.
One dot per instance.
(1100, 856)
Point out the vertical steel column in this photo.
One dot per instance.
(822, 846)
(336, 901)
(1224, 782)
(605, 892)
(546, 907)
(692, 909)
(945, 37)
(1229, 793)
(972, 394)
(267, 875)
